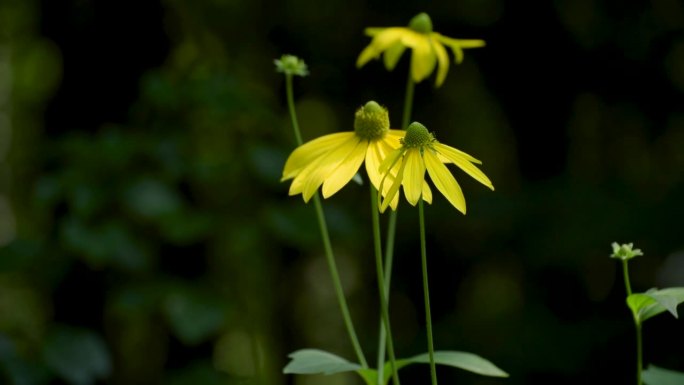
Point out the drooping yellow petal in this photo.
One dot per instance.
(442, 60)
(414, 175)
(298, 183)
(345, 171)
(372, 31)
(443, 149)
(423, 60)
(381, 41)
(463, 163)
(377, 152)
(394, 188)
(457, 45)
(307, 152)
(327, 163)
(444, 181)
(427, 192)
(391, 160)
(393, 54)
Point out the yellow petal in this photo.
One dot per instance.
(457, 45)
(414, 175)
(427, 192)
(423, 60)
(391, 160)
(443, 149)
(393, 54)
(341, 175)
(327, 163)
(466, 166)
(374, 156)
(444, 181)
(443, 61)
(297, 185)
(307, 152)
(394, 188)
(372, 31)
(377, 152)
(381, 41)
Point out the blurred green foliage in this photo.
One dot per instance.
(156, 245)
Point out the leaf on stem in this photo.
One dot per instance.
(462, 360)
(314, 361)
(659, 376)
(654, 302)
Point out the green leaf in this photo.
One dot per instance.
(654, 375)
(314, 361)
(462, 360)
(654, 302)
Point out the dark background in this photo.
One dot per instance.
(145, 237)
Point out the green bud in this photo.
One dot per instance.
(291, 65)
(417, 135)
(371, 121)
(421, 23)
(625, 251)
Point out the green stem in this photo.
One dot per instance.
(408, 102)
(382, 285)
(291, 107)
(389, 257)
(329, 256)
(637, 323)
(426, 293)
(625, 274)
(391, 231)
(639, 353)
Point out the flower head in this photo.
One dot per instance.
(625, 252)
(420, 151)
(333, 160)
(428, 48)
(291, 65)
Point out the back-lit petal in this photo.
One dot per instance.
(444, 181)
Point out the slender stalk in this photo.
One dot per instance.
(382, 285)
(389, 257)
(291, 107)
(408, 102)
(625, 274)
(329, 256)
(637, 323)
(639, 353)
(426, 293)
(391, 231)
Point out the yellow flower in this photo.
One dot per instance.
(333, 160)
(420, 151)
(428, 48)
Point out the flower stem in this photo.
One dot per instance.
(290, 106)
(389, 257)
(383, 287)
(639, 353)
(391, 231)
(329, 256)
(426, 293)
(637, 323)
(625, 274)
(408, 102)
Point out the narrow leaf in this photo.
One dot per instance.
(659, 376)
(314, 361)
